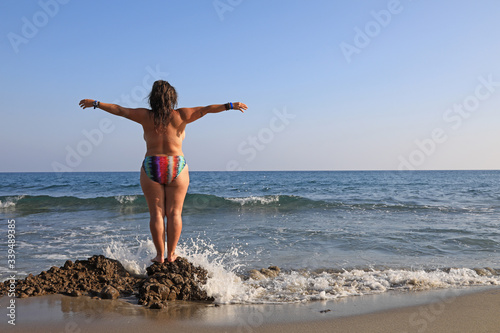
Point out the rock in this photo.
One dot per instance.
(264, 273)
(271, 272)
(83, 277)
(54, 269)
(178, 280)
(75, 292)
(156, 305)
(168, 283)
(256, 275)
(275, 268)
(68, 264)
(100, 277)
(109, 292)
(172, 296)
(493, 271)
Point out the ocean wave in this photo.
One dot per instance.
(296, 286)
(54, 186)
(227, 286)
(195, 202)
(300, 285)
(255, 200)
(294, 202)
(32, 204)
(136, 203)
(9, 202)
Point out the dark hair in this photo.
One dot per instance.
(162, 100)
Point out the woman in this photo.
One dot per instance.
(164, 173)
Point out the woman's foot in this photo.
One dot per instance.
(158, 259)
(171, 258)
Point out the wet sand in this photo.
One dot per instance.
(465, 310)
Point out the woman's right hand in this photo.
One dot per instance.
(86, 103)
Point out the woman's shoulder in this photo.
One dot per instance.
(144, 110)
(181, 112)
(141, 111)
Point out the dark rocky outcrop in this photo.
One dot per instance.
(82, 277)
(106, 278)
(167, 282)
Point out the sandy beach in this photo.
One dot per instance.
(465, 310)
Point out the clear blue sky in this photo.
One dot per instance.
(330, 85)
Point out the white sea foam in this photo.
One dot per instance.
(134, 260)
(304, 286)
(227, 287)
(254, 199)
(223, 284)
(52, 256)
(10, 202)
(125, 199)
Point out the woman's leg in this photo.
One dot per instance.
(155, 197)
(175, 193)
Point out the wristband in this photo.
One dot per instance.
(231, 105)
(227, 106)
(95, 104)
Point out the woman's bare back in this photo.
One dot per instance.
(164, 141)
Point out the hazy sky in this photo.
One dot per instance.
(330, 85)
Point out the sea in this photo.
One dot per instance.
(333, 234)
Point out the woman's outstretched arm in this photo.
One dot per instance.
(132, 114)
(192, 114)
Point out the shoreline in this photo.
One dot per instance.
(473, 309)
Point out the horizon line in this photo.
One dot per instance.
(301, 170)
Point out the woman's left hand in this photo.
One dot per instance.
(240, 106)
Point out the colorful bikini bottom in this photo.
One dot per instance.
(163, 169)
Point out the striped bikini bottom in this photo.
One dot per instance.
(163, 169)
